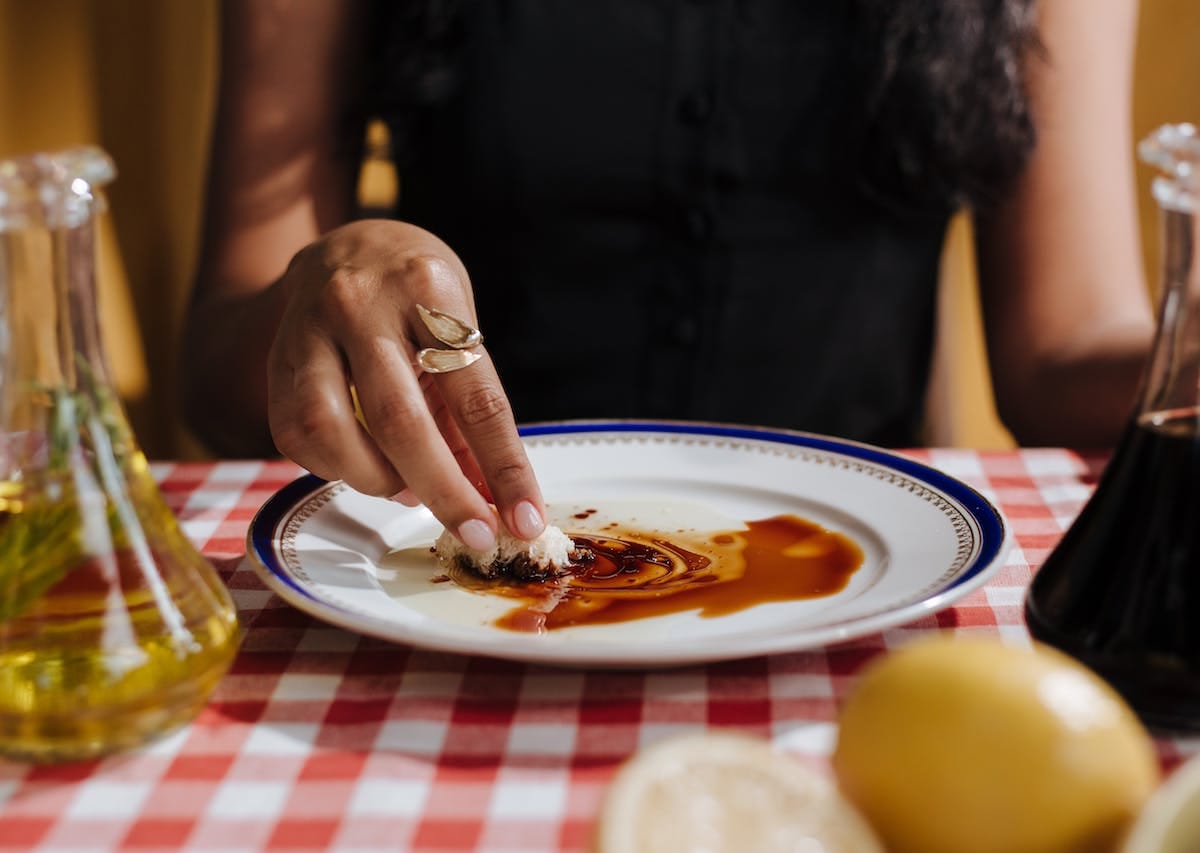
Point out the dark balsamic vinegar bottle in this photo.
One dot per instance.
(1121, 591)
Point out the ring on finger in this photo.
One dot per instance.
(460, 336)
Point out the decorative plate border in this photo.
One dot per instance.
(980, 531)
(979, 527)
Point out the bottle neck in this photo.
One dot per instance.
(49, 331)
(58, 412)
(1172, 383)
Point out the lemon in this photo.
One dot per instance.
(952, 745)
(1170, 820)
(724, 792)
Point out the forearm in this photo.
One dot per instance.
(224, 371)
(1080, 397)
(282, 171)
(1065, 306)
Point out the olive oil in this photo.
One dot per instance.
(102, 647)
(113, 627)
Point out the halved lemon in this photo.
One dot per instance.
(723, 791)
(1170, 821)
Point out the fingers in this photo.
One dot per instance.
(439, 463)
(453, 436)
(312, 418)
(446, 441)
(470, 417)
(477, 405)
(480, 409)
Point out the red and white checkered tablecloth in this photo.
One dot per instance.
(319, 739)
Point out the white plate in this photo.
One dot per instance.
(364, 564)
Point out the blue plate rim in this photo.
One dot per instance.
(993, 531)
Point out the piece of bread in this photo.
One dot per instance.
(536, 559)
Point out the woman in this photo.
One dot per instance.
(719, 209)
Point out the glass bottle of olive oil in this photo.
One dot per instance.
(113, 628)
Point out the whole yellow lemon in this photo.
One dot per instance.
(951, 745)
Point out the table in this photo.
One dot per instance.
(319, 739)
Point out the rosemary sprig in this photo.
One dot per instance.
(38, 547)
(44, 524)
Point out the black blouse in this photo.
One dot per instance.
(657, 201)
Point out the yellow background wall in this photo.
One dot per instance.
(1166, 89)
(137, 77)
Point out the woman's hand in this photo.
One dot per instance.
(270, 361)
(351, 321)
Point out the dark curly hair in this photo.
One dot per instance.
(946, 111)
(945, 117)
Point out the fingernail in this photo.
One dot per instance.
(476, 535)
(406, 497)
(529, 522)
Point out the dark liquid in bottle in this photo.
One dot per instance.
(1121, 592)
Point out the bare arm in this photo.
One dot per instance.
(294, 306)
(281, 172)
(1066, 311)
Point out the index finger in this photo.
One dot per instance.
(407, 434)
(477, 403)
(479, 406)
